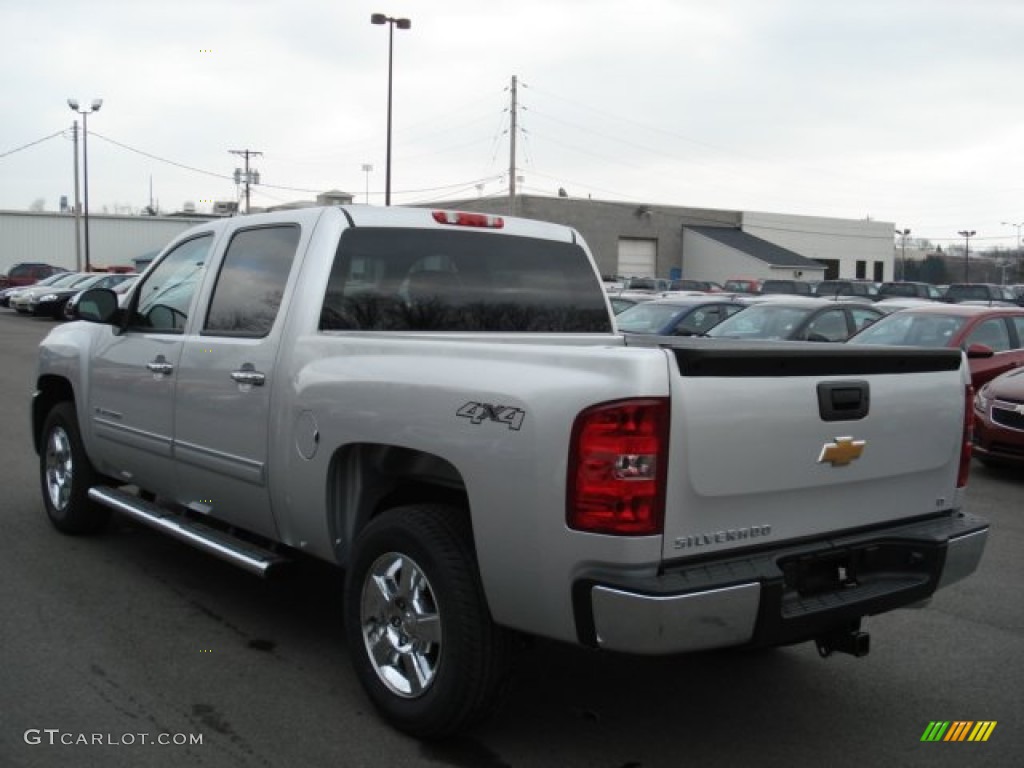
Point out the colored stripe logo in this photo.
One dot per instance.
(958, 730)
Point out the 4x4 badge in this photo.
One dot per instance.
(841, 452)
(502, 414)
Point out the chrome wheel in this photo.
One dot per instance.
(59, 467)
(401, 627)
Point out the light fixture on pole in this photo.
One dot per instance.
(380, 18)
(95, 107)
(967, 234)
(367, 167)
(903, 257)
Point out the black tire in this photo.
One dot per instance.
(66, 474)
(440, 622)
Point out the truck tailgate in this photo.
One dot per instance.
(779, 441)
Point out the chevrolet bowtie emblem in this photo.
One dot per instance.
(841, 452)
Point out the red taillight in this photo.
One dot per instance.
(618, 459)
(968, 438)
(463, 219)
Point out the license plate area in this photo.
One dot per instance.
(816, 574)
(852, 568)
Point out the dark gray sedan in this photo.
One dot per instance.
(682, 316)
(798, 319)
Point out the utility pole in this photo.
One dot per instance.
(78, 205)
(251, 177)
(967, 234)
(512, 151)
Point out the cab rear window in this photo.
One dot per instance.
(388, 279)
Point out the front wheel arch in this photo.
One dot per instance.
(66, 474)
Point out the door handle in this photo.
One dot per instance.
(160, 366)
(249, 375)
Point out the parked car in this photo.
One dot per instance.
(51, 303)
(683, 316)
(742, 285)
(706, 286)
(993, 337)
(797, 319)
(620, 305)
(9, 293)
(19, 301)
(908, 290)
(999, 420)
(862, 289)
(28, 273)
(895, 305)
(794, 287)
(122, 289)
(613, 283)
(651, 284)
(978, 292)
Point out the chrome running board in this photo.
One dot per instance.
(250, 557)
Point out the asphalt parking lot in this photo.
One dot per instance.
(130, 637)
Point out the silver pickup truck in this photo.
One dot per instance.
(439, 403)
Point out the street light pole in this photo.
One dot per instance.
(380, 18)
(95, 107)
(903, 258)
(78, 206)
(367, 167)
(1018, 254)
(967, 234)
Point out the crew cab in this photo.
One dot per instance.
(440, 404)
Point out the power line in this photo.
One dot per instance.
(32, 144)
(161, 159)
(464, 184)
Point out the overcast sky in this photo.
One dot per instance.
(909, 111)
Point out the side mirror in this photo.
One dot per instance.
(976, 351)
(97, 305)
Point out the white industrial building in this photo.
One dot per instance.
(114, 240)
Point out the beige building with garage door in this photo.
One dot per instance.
(631, 239)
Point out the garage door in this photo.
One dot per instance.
(637, 257)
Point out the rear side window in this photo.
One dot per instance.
(251, 281)
(387, 279)
(992, 333)
(1018, 324)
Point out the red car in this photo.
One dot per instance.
(992, 336)
(27, 273)
(999, 420)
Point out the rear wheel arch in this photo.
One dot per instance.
(367, 479)
(421, 638)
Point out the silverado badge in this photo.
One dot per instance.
(841, 452)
